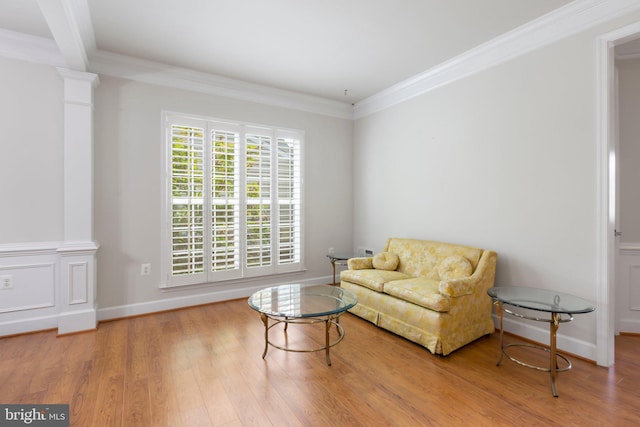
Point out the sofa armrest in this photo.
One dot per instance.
(481, 280)
(360, 263)
(458, 287)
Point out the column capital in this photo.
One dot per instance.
(67, 73)
(78, 86)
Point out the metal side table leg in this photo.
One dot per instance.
(498, 306)
(553, 362)
(333, 265)
(265, 320)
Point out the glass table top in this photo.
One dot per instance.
(341, 256)
(541, 300)
(295, 300)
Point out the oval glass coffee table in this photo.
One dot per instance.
(302, 304)
(544, 300)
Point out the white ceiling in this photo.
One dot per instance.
(313, 47)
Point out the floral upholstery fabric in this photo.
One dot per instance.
(372, 279)
(422, 257)
(360, 263)
(441, 314)
(368, 301)
(421, 291)
(454, 267)
(459, 287)
(385, 261)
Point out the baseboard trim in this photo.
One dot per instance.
(629, 326)
(138, 309)
(77, 321)
(87, 320)
(27, 326)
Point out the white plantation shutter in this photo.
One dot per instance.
(187, 202)
(289, 201)
(258, 207)
(233, 201)
(225, 207)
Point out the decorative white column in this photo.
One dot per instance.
(77, 297)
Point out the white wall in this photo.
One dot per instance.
(31, 150)
(127, 182)
(128, 190)
(504, 159)
(31, 194)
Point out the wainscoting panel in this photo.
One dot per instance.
(32, 286)
(78, 282)
(628, 289)
(47, 285)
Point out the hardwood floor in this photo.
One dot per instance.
(202, 367)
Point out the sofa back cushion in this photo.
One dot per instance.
(454, 267)
(423, 257)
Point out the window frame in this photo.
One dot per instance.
(276, 135)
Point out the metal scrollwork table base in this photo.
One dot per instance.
(556, 304)
(297, 304)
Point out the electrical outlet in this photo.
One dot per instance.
(6, 282)
(145, 269)
(364, 252)
(331, 252)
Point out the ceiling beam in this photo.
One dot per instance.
(70, 24)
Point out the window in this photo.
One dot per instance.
(232, 200)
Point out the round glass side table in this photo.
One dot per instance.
(294, 303)
(561, 308)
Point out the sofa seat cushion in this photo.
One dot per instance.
(372, 279)
(420, 291)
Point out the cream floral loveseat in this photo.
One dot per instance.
(432, 293)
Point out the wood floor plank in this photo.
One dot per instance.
(202, 366)
(159, 343)
(112, 351)
(137, 405)
(269, 406)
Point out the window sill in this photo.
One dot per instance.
(255, 280)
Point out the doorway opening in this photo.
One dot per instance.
(607, 189)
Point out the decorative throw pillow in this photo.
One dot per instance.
(454, 267)
(385, 261)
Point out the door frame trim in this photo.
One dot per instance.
(606, 151)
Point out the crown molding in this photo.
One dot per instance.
(561, 23)
(109, 63)
(30, 48)
(45, 51)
